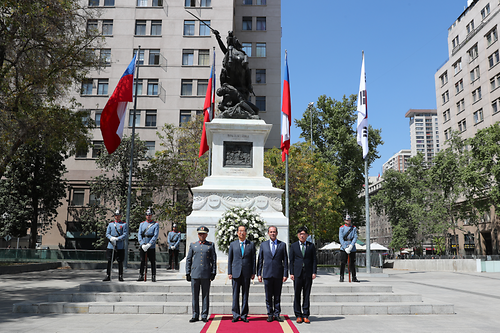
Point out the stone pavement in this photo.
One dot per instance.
(476, 299)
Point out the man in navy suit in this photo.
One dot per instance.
(273, 260)
(240, 269)
(303, 269)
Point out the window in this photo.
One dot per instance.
(494, 58)
(157, 3)
(247, 48)
(478, 116)
(491, 36)
(102, 87)
(142, 3)
(474, 74)
(444, 78)
(150, 146)
(462, 125)
(186, 87)
(139, 86)
(78, 197)
(261, 23)
(260, 2)
(447, 134)
(187, 57)
(93, 199)
(205, 3)
(260, 102)
(87, 87)
(455, 42)
(495, 106)
(260, 49)
(109, 3)
(459, 86)
(155, 28)
(105, 57)
(81, 152)
(188, 28)
(445, 96)
(473, 52)
(460, 106)
(185, 117)
(476, 95)
(495, 82)
(140, 57)
(152, 87)
(154, 57)
(247, 23)
(107, 27)
(140, 28)
(93, 3)
(190, 3)
(97, 119)
(446, 115)
(470, 27)
(97, 148)
(457, 66)
(485, 11)
(202, 87)
(203, 58)
(260, 76)
(151, 118)
(92, 27)
(247, 2)
(137, 118)
(204, 30)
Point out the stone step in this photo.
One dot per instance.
(326, 308)
(227, 297)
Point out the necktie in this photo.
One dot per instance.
(303, 249)
(242, 246)
(273, 248)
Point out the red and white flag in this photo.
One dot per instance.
(113, 115)
(207, 109)
(362, 128)
(286, 115)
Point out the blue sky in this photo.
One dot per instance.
(405, 43)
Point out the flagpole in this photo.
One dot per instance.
(129, 192)
(211, 116)
(287, 206)
(367, 213)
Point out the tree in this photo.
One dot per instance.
(43, 51)
(110, 190)
(334, 136)
(32, 190)
(313, 191)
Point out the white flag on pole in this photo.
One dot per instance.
(362, 128)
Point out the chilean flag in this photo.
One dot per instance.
(286, 116)
(113, 115)
(207, 109)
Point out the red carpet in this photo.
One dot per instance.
(258, 323)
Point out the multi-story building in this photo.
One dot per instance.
(398, 161)
(468, 99)
(424, 132)
(176, 53)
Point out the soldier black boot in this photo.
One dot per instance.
(120, 271)
(107, 278)
(108, 272)
(153, 278)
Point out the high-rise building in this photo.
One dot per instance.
(467, 94)
(398, 161)
(176, 54)
(424, 132)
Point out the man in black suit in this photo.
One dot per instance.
(240, 269)
(303, 270)
(273, 260)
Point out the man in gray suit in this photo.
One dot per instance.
(273, 267)
(240, 269)
(201, 268)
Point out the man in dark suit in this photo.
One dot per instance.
(240, 269)
(273, 260)
(303, 270)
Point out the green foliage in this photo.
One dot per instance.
(313, 191)
(334, 136)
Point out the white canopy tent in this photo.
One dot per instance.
(331, 246)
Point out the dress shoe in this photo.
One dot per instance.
(107, 278)
(307, 321)
(120, 278)
(192, 320)
(245, 320)
(341, 278)
(235, 319)
(278, 318)
(204, 320)
(141, 278)
(153, 278)
(299, 320)
(269, 319)
(355, 280)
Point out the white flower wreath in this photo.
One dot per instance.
(227, 227)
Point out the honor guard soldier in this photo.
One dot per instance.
(201, 268)
(116, 232)
(348, 235)
(173, 240)
(147, 235)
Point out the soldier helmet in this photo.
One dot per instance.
(118, 212)
(174, 225)
(149, 211)
(347, 217)
(202, 230)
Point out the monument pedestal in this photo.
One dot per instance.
(237, 147)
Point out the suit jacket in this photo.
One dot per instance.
(270, 266)
(241, 266)
(308, 260)
(201, 260)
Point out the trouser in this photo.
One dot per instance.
(272, 287)
(302, 284)
(118, 256)
(152, 260)
(242, 283)
(205, 297)
(173, 258)
(352, 262)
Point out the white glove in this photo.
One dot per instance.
(348, 250)
(145, 247)
(113, 240)
(172, 247)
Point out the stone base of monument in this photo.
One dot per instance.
(237, 179)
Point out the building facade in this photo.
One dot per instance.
(424, 132)
(398, 161)
(176, 54)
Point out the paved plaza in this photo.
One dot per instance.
(475, 296)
